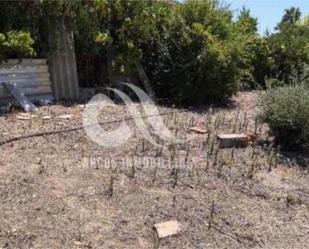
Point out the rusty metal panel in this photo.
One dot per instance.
(30, 76)
(62, 62)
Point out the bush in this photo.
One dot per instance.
(15, 44)
(286, 110)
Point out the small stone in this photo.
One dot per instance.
(77, 243)
(168, 228)
(46, 117)
(24, 116)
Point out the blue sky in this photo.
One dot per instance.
(269, 12)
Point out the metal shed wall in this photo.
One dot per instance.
(30, 75)
(62, 62)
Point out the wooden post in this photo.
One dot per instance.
(62, 62)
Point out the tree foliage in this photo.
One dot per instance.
(289, 47)
(193, 51)
(291, 17)
(15, 44)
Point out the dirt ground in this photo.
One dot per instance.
(55, 192)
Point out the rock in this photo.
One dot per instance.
(77, 243)
(198, 130)
(24, 116)
(66, 116)
(168, 228)
(233, 140)
(39, 160)
(46, 117)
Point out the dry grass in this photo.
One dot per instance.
(51, 197)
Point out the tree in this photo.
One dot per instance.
(245, 23)
(289, 47)
(291, 17)
(253, 59)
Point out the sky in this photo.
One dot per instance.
(268, 12)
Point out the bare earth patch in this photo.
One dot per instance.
(54, 196)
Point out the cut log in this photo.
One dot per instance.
(233, 140)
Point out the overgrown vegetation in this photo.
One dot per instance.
(193, 52)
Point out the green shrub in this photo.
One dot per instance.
(16, 44)
(286, 110)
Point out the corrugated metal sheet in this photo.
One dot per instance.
(62, 62)
(31, 77)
